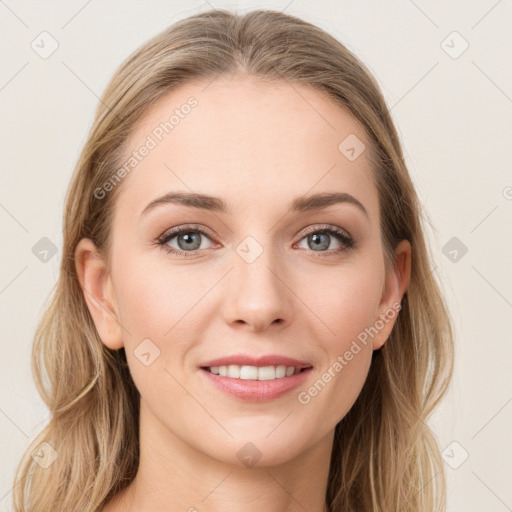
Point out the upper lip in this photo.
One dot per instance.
(265, 360)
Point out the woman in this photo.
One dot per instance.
(290, 357)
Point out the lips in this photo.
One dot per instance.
(256, 390)
(247, 388)
(264, 360)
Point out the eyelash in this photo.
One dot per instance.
(338, 233)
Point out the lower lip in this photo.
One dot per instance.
(257, 390)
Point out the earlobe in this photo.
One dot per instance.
(396, 284)
(97, 288)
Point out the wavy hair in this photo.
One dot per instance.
(384, 457)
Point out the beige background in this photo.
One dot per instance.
(453, 112)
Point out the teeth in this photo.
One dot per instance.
(233, 371)
(254, 372)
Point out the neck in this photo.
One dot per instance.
(172, 476)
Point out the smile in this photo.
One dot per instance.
(245, 372)
(255, 384)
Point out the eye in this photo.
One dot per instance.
(188, 239)
(319, 239)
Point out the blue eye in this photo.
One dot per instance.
(320, 239)
(190, 240)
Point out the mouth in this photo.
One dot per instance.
(246, 372)
(253, 383)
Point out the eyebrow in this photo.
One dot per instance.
(300, 204)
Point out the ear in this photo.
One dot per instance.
(396, 284)
(98, 291)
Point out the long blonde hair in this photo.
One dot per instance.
(385, 457)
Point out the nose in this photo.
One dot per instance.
(258, 295)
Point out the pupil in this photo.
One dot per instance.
(318, 242)
(189, 238)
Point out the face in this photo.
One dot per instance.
(256, 271)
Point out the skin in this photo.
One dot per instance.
(257, 146)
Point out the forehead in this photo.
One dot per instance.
(249, 142)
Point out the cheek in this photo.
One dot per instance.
(348, 306)
(156, 314)
(155, 308)
(163, 304)
(348, 302)
(152, 299)
(337, 385)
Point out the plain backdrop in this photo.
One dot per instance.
(445, 70)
